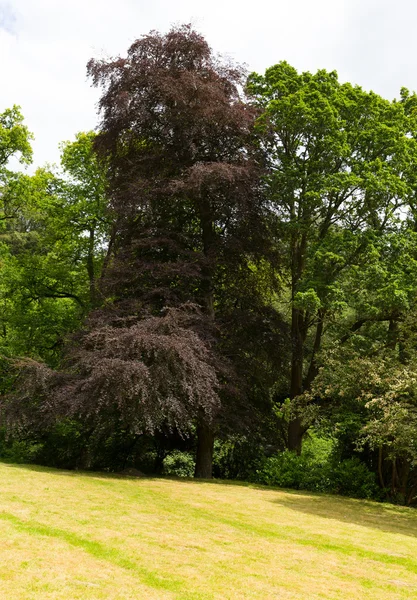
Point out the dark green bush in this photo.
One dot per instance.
(179, 463)
(298, 472)
(20, 452)
(351, 477)
(318, 469)
(238, 458)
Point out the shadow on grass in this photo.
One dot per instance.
(365, 513)
(75, 472)
(122, 476)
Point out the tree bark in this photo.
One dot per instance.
(298, 336)
(110, 250)
(313, 368)
(90, 268)
(295, 430)
(205, 433)
(205, 444)
(392, 336)
(295, 435)
(380, 473)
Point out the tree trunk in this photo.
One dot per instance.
(298, 335)
(313, 368)
(403, 466)
(205, 444)
(394, 477)
(158, 465)
(295, 429)
(380, 472)
(205, 434)
(90, 268)
(109, 253)
(392, 336)
(295, 435)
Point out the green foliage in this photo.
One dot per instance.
(351, 477)
(53, 242)
(238, 457)
(14, 137)
(318, 469)
(331, 290)
(86, 216)
(308, 300)
(309, 471)
(65, 445)
(180, 464)
(18, 451)
(41, 280)
(338, 177)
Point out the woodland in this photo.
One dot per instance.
(221, 280)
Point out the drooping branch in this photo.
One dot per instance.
(360, 322)
(146, 373)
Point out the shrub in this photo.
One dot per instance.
(351, 477)
(297, 472)
(318, 469)
(21, 452)
(237, 458)
(179, 463)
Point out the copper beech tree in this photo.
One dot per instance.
(138, 373)
(184, 192)
(184, 186)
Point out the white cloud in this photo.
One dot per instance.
(7, 18)
(45, 45)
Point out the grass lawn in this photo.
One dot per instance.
(70, 535)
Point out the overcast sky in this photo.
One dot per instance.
(45, 45)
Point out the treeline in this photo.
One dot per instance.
(226, 272)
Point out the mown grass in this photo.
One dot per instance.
(70, 535)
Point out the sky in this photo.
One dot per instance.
(45, 45)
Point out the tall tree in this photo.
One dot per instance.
(176, 133)
(339, 160)
(86, 206)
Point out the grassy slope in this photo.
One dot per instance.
(69, 535)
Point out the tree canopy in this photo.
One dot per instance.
(228, 267)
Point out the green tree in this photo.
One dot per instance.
(53, 246)
(14, 138)
(339, 162)
(86, 211)
(15, 141)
